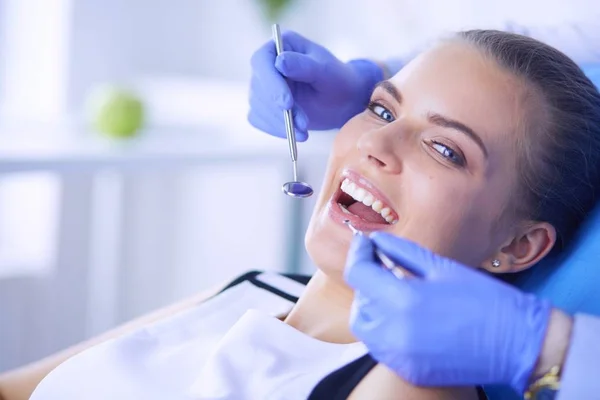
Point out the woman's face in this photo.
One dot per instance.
(434, 153)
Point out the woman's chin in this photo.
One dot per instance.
(327, 243)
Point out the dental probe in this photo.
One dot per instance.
(385, 260)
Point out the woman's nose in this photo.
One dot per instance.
(378, 148)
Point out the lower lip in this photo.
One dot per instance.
(339, 216)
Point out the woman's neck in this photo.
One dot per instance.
(323, 311)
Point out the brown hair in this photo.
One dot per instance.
(560, 161)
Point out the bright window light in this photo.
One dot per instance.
(28, 223)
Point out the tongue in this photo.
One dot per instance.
(366, 213)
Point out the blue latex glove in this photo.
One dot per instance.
(322, 91)
(450, 326)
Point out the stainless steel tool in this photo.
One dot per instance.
(294, 188)
(385, 260)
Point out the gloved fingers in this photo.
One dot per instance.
(262, 96)
(298, 67)
(301, 121)
(293, 41)
(273, 124)
(406, 254)
(267, 77)
(364, 273)
(270, 119)
(260, 100)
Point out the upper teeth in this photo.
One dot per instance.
(368, 199)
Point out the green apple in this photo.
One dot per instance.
(115, 111)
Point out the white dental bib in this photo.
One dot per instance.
(231, 346)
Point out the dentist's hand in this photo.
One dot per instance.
(451, 325)
(322, 91)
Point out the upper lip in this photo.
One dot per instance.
(369, 186)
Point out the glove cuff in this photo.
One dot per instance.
(536, 322)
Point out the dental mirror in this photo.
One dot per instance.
(294, 188)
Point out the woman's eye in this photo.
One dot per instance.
(448, 153)
(381, 112)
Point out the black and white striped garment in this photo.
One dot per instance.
(232, 346)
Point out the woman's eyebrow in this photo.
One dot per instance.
(391, 89)
(445, 122)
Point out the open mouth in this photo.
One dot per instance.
(362, 203)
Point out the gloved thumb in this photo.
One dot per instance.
(298, 67)
(363, 272)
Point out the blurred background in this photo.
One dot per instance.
(97, 229)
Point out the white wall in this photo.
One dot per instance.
(34, 58)
(58, 51)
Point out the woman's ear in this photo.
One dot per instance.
(532, 243)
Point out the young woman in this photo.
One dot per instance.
(483, 148)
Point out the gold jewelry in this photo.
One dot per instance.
(549, 382)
